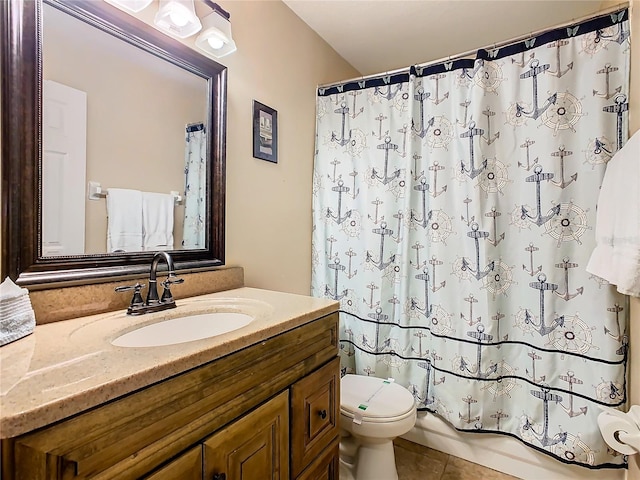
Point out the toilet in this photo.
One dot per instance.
(373, 411)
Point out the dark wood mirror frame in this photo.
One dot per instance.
(21, 71)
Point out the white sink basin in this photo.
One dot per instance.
(183, 329)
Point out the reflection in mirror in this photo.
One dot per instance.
(117, 115)
(141, 122)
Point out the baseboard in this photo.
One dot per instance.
(500, 453)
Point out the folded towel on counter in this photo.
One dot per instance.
(616, 257)
(157, 221)
(124, 222)
(16, 314)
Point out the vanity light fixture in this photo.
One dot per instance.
(215, 39)
(177, 18)
(134, 6)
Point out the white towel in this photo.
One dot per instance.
(124, 223)
(157, 221)
(16, 314)
(616, 257)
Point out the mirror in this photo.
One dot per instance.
(113, 115)
(36, 61)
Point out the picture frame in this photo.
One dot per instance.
(265, 132)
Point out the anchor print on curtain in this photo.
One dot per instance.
(454, 214)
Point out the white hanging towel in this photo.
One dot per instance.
(616, 257)
(157, 221)
(124, 224)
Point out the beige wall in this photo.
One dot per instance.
(137, 109)
(279, 62)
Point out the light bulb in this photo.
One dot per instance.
(215, 42)
(178, 18)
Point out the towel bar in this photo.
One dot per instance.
(96, 192)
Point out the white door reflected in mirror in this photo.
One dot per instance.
(64, 152)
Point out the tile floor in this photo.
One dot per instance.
(416, 462)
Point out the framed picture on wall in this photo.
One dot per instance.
(265, 132)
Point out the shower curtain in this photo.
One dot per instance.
(454, 210)
(195, 172)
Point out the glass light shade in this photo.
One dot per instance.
(177, 18)
(134, 6)
(215, 39)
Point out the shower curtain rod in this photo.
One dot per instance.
(487, 47)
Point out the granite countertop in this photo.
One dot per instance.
(66, 367)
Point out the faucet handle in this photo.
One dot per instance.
(172, 279)
(136, 301)
(167, 296)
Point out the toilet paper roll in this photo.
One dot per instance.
(619, 431)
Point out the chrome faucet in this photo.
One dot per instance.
(153, 303)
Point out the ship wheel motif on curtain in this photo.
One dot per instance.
(322, 107)
(564, 115)
(357, 143)
(513, 118)
(526, 321)
(569, 224)
(393, 361)
(494, 178)
(459, 269)
(574, 450)
(502, 386)
(398, 188)
(500, 280)
(440, 320)
(489, 77)
(401, 102)
(592, 43)
(353, 225)
(610, 391)
(517, 219)
(574, 336)
(440, 227)
(440, 134)
(349, 303)
(599, 151)
(393, 274)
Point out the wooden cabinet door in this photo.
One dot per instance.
(187, 466)
(315, 415)
(256, 447)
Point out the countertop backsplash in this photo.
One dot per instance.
(63, 303)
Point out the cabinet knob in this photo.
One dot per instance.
(219, 476)
(323, 414)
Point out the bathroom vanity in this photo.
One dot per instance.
(261, 402)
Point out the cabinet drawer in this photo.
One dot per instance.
(187, 466)
(326, 466)
(315, 414)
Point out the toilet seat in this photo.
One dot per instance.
(374, 400)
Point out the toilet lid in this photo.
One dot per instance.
(371, 397)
